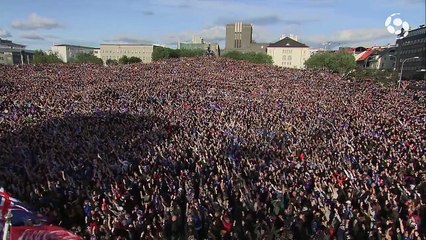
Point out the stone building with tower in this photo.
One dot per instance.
(239, 37)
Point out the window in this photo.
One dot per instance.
(289, 58)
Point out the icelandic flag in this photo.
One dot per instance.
(5, 204)
(20, 213)
(41, 232)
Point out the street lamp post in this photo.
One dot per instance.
(402, 68)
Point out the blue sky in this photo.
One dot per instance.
(41, 23)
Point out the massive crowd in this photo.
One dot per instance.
(210, 148)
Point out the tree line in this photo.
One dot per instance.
(342, 63)
(259, 58)
(160, 53)
(41, 57)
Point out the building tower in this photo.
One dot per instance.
(238, 36)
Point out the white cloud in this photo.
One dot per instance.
(36, 36)
(210, 34)
(271, 20)
(217, 34)
(35, 21)
(4, 33)
(222, 7)
(365, 36)
(214, 33)
(32, 36)
(128, 38)
(262, 34)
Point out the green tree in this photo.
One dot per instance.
(234, 55)
(129, 60)
(191, 52)
(160, 53)
(174, 53)
(345, 62)
(341, 62)
(385, 77)
(166, 53)
(134, 60)
(111, 62)
(260, 58)
(41, 57)
(123, 60)
(318, 61)
(86, 58)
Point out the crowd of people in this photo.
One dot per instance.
(211, 148)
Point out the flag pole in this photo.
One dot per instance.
(8, 218)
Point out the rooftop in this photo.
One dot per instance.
(244, 24)
(364, 55)
(385, 51)
(70, 45)
(16, 50)
(287, 42)
(10, 43)
(126, 44)
(348, 50)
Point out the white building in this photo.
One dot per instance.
(289, 53)
(13, 53)
(10, 45)
(383, 58)
(197, 39)
(97, 53)
(116, 51)
(66, 52)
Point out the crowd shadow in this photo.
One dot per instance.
(76, 144)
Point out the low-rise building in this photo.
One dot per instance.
(198, 43)
(66, 52)
(214, 47)
(12, 53)
(10, 56)
(10, 45)
(289, 53)
(383, 58)
(97, 53)
(362, 58)
(116, 51)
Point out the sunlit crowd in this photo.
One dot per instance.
(211, 148)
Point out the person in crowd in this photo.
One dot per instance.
(208, 148)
